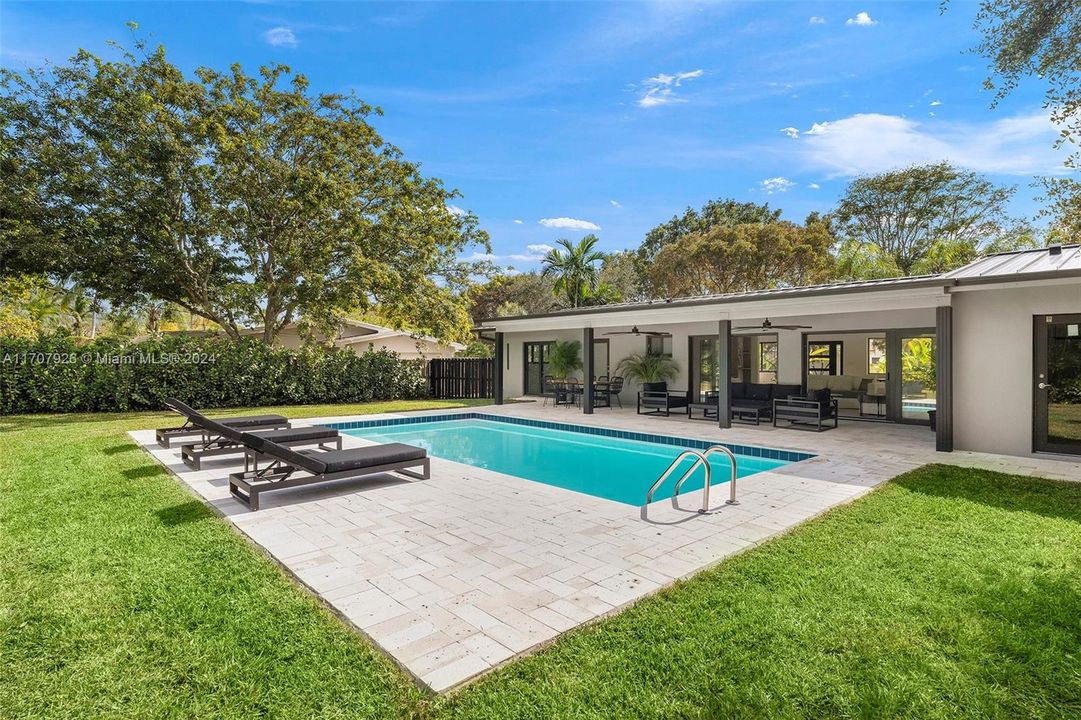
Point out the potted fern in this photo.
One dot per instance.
(652, 370)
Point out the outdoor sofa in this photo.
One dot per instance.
(291, 468)
(219, 439)
(812, 412)
(754, 401)
(191, 427)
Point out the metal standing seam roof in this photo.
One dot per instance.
(1055, 259)
(1037, 263)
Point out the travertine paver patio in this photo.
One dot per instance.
(455, 575)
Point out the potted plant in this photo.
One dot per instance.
(564, 358)
(652, 370)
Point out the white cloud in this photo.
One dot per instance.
(659, 89)
(517, 222)
(816, 20)
(280, 37)
(566, 223)
(477, 256)
(862, 18)
(615, 203)
(539, 249)
(533, 254)
(936, 103)
(455, 210)
(872, 142)
(777, 185)
(813, 186)
(791, 132)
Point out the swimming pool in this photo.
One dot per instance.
(611, 464)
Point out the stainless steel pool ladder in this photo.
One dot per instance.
(703, 460)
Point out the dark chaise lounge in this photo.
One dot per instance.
(658, 399)
(223, 440)
(191, 428)
(320, 466)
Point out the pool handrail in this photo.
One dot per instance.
(703, 460)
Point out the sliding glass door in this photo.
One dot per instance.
(1057, 389)
(911, 378)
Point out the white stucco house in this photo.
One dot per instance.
(363, 336)
(994, 348)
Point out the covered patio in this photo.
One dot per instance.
(882, 349)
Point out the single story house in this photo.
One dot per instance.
(363, 336)
(994, 348)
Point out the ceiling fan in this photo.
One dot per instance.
(635, 331)
(766, 326)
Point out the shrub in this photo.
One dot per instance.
(55, 374)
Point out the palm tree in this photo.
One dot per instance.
(564, 358)
(78, 307)
(574, 268)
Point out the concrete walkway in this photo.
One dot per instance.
(458, 574)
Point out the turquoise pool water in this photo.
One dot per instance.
(613, 468)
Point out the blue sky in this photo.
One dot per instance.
(556, 119)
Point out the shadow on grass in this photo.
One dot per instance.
(187, 512)
(1050, 498)
(142, 472)
(117, 449)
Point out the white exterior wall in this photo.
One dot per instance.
(790, 362)
(993, 372)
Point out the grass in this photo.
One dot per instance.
(122, 596)
(946, 593)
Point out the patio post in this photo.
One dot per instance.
(497, 369)
(724, 389)
(944, 378)
(587, 371)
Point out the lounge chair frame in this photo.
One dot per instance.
(165, 436)
(247, 486)
(213, 445)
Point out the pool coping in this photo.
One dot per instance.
(788, 456)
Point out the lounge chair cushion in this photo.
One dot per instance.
(359, 458)
(297, 434)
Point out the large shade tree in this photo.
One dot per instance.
(1041, 39)
(923, 219)
(246, 200)
(747, 256)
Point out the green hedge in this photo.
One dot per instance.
(56, 374)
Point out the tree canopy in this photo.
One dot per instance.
(246, 200)
(924, 219)
(746, 256)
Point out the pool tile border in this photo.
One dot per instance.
(791, 456)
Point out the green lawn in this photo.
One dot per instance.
(946, 593)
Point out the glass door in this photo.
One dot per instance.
(1058, 384)
(918, 377)
(705, 368)
(536, 366)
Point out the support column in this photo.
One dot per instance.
(587, 371)
(944, 378)
(497, 369)
(724, 390)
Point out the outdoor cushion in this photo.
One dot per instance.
(758, 391)
(655, 387)
(358, 458)
(739, 390)
(784, 391)
(297, 434)
(236, 422)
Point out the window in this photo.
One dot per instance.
(767, 361)
(824, 358)
(659, 345)
(876, 356)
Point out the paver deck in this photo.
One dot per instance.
(457, 574)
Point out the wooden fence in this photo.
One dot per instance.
(454, 378)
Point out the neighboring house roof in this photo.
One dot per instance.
(370, 332)
(1022, 265)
